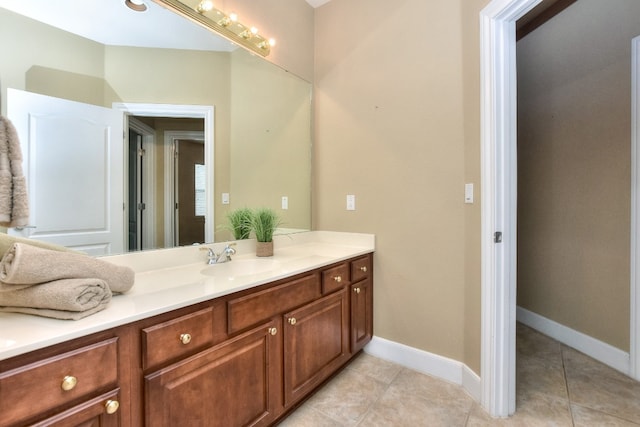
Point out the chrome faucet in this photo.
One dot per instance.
(224, 256)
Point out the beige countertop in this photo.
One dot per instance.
(168, 279)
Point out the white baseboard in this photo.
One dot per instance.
(601, 351)
(428, 363)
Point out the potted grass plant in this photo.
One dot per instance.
(264, 223)
(240, 223)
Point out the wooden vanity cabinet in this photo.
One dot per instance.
(244, 359)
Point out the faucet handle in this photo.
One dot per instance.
(228, 250)
(208, 249)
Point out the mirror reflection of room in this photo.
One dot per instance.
(260, 138)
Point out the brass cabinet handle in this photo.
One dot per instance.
(356, 290)
(185, 338)
(338, 279)
(111, 406)
(363, 269)
(69, 382)
(292, 320)
(273, 331)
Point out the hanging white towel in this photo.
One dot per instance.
(14, 203)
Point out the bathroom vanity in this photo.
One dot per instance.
(226, 345)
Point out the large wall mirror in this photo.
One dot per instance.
(244, 123)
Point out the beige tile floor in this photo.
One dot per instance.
(556, 386)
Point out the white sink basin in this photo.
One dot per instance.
(241, 267)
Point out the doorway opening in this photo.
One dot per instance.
(152, 223)
(499, 195)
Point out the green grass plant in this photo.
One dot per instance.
(264, 224)
(241, 223)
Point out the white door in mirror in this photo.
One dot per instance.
(73, 160)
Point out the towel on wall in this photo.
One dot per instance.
(14, 203)
(69, 299)
(25, 265)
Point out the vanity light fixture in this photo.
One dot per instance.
(206, 14)
(137, 5)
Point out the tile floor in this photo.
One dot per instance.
(556, 386)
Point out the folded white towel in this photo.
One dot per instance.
(60, 299)
(24, 265)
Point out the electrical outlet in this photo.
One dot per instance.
(351, 202)
(285, 202)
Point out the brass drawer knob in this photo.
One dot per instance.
(111, 406)
(338, 279)
(363, 269)
(69, 382)
(185, 338)
(292, 320)
(356, 290)
(273, 331)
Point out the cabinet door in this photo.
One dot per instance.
(361, 314)
(237, 383)
(316, 340)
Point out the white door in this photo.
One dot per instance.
(73, 162)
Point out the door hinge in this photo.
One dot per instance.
(142, 152)
(497, 237)
(141, 206)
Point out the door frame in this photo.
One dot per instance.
(148, 181)
(498, 87)
(205, 112)
(171, 230)
(634, 348)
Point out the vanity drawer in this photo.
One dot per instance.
(360, 269)
(49, 383)
(335, 278)
(177, 337)
(259, 306)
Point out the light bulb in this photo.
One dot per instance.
(254, 30)
(272, 42)
(205, 6)
(233, 16)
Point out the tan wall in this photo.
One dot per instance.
(390, 130)
(471, 87)
(574, 168)
(64, 61)
(272, 157)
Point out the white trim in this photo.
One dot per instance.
(171, 231)
(148, 181)
(427, 363)
(205, 112)
(498, 85)
(599, 350)
(634, 349)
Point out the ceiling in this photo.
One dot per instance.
(110, 22)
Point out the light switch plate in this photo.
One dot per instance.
(468, 193)
(225, 198)
(351, 202)
(285, 202)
